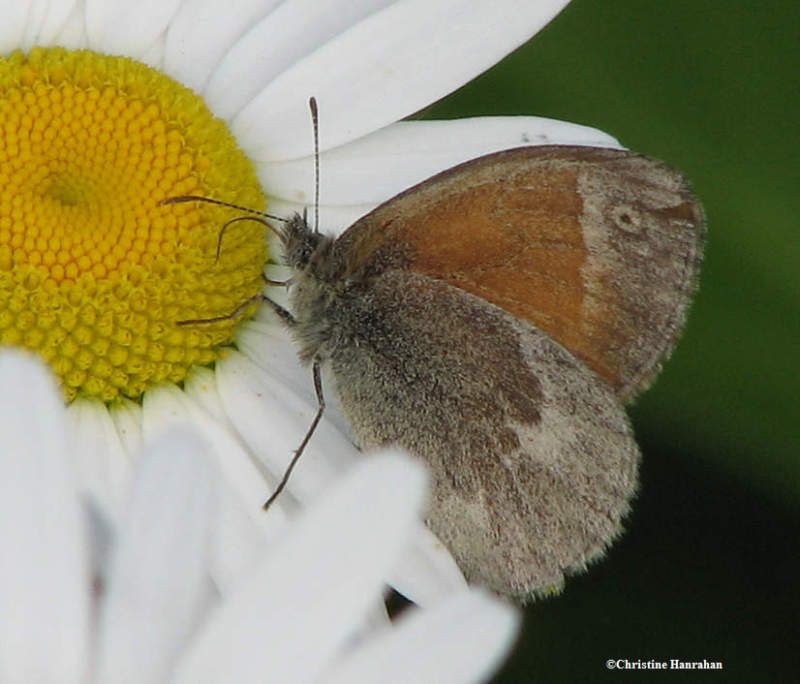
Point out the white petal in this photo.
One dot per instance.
(154, 55)
(315, 586)
(72, 34)
(238, 540)
(103, 463)
(167, 406)
(242, 528)
(122, 27)
(287, 34)
(54, 20)
(462, 640)
(159, 583)
(387, 66)
(377, 618)
(202, 32)
(14, 24)
(127, 417)
(44, 582)
(269, 345)
(37, 22)
(201, 386)
(426, 572)
(378, 166)
(37, 10)
(273, 418)
(101, 534)
(43, 20)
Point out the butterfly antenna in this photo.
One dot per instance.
(181, 199)
(312, 105)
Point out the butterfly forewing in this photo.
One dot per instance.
(598, 248)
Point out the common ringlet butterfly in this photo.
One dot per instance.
(493, 320)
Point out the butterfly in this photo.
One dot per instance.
(494, 320)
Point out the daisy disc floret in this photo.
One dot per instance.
(95, 273)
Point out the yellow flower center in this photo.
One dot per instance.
(96, 274)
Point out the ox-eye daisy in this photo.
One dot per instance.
(107, 107)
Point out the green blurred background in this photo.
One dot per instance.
(710, 564)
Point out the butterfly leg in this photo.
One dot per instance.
(299, 451)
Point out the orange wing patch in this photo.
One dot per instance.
(522, 229)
